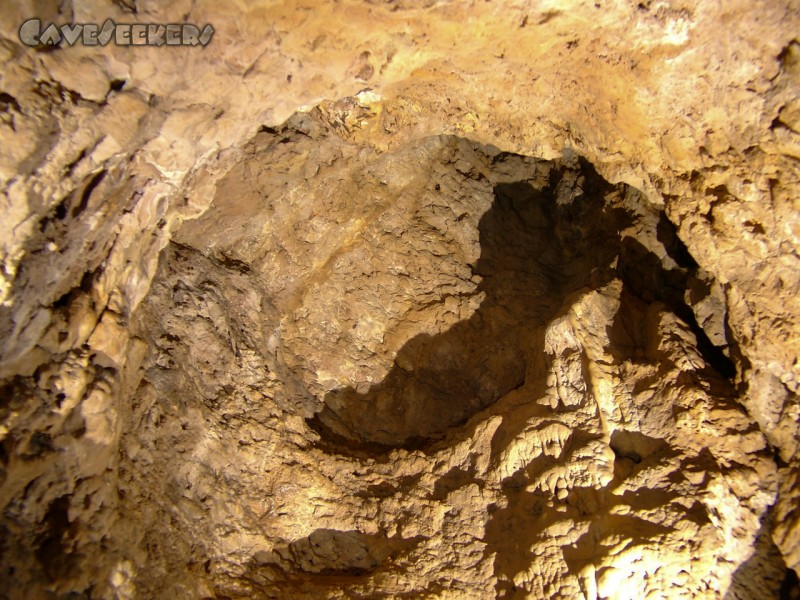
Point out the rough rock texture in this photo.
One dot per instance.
(410, 299)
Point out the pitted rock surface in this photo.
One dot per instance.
(410, 299)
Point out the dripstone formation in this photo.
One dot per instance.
(495, 300)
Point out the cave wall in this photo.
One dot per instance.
(183, 249)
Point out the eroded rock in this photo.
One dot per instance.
(483, 301)
(547, 417)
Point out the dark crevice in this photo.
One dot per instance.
(777, 124)
(116, 85)
(233, 263)
(789, 52)
(790, 586)
(94, 181)
(52, 549)
(69, 168)
(676, 249)
(7, 101)
(644, 275)
(84, 287)
(712, 354)
(62, 208)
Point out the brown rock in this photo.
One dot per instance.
(519, 319)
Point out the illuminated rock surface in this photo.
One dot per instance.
(403, 300)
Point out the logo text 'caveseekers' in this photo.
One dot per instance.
(123, 34)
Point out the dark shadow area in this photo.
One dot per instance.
(790, 586)
(646, 279)
(54, 548)
(537, 246)
(677, 250)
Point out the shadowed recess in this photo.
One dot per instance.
(537, 246)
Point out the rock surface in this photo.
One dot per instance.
(493, 299)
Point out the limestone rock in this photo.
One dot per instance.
(405, 299)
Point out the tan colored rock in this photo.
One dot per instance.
(332, 307)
